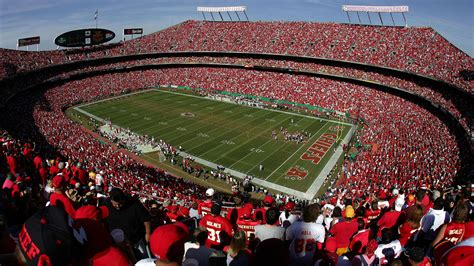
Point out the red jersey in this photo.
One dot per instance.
(454, 232)
(38, 162)
(248, 226)
(259, 214)
(343, 231)
(11, 161)
(388, 220)
(65, 201)
(406, 231)
(370, 214)
(215, 225)
(81, 175)
(204, 208)
(469, 230)
(360, 240)
(43, 172)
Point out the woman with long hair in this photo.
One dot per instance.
(236, 254)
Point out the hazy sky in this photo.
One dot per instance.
(454, 19)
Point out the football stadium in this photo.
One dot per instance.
(222, 140)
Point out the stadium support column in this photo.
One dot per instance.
(245, 13)
(406, 24)
(393, 21)
(360, 22)
(212, 16)
(380, 16)
(221, 16)
(348, 17)
(229, 16)
(204, 16)
(237, 15)
(370, 20)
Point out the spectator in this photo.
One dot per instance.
(306, 237)
(389, 247)
(287, 217)
(205, 206)
(408, 230)
(453, 231)
(167, 244)
(270, 229)
(344, 230)
(218, 227)
(129, 215)
(368, 257)
(59, 198)
(272, 252)
(360, 240)
(236, 254)
(392, 218)
(200, 253)
(430, 223)
(259, 213)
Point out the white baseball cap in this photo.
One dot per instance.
(210, 192)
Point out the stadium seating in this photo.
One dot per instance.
(401, 145)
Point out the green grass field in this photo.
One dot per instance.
(235, 136)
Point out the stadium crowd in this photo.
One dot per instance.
(459, 107)
(391, 207)
(394, 47)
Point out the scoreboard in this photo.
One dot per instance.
(84, 37)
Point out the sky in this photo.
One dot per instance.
(453, 19)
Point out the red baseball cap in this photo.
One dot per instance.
(167, 242)
(92, 212)
(112, 254)
(462, 254)
(290, 206)
(268, 200)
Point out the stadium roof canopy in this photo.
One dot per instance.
(376, 9)
(220, 10)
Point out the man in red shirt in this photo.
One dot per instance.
(58, 198)
(373, 212)
(219, 228)
(343, 231)
(360, 240)
(11, 161)
(247, 225)
(80, 174)
(393, 217)
(204, 207)
(259, 214)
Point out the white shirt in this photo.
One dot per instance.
(291, 218)
(194, 213)
(395, 245)
(303, 238)
(99, 180)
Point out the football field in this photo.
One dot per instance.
(238, 137)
